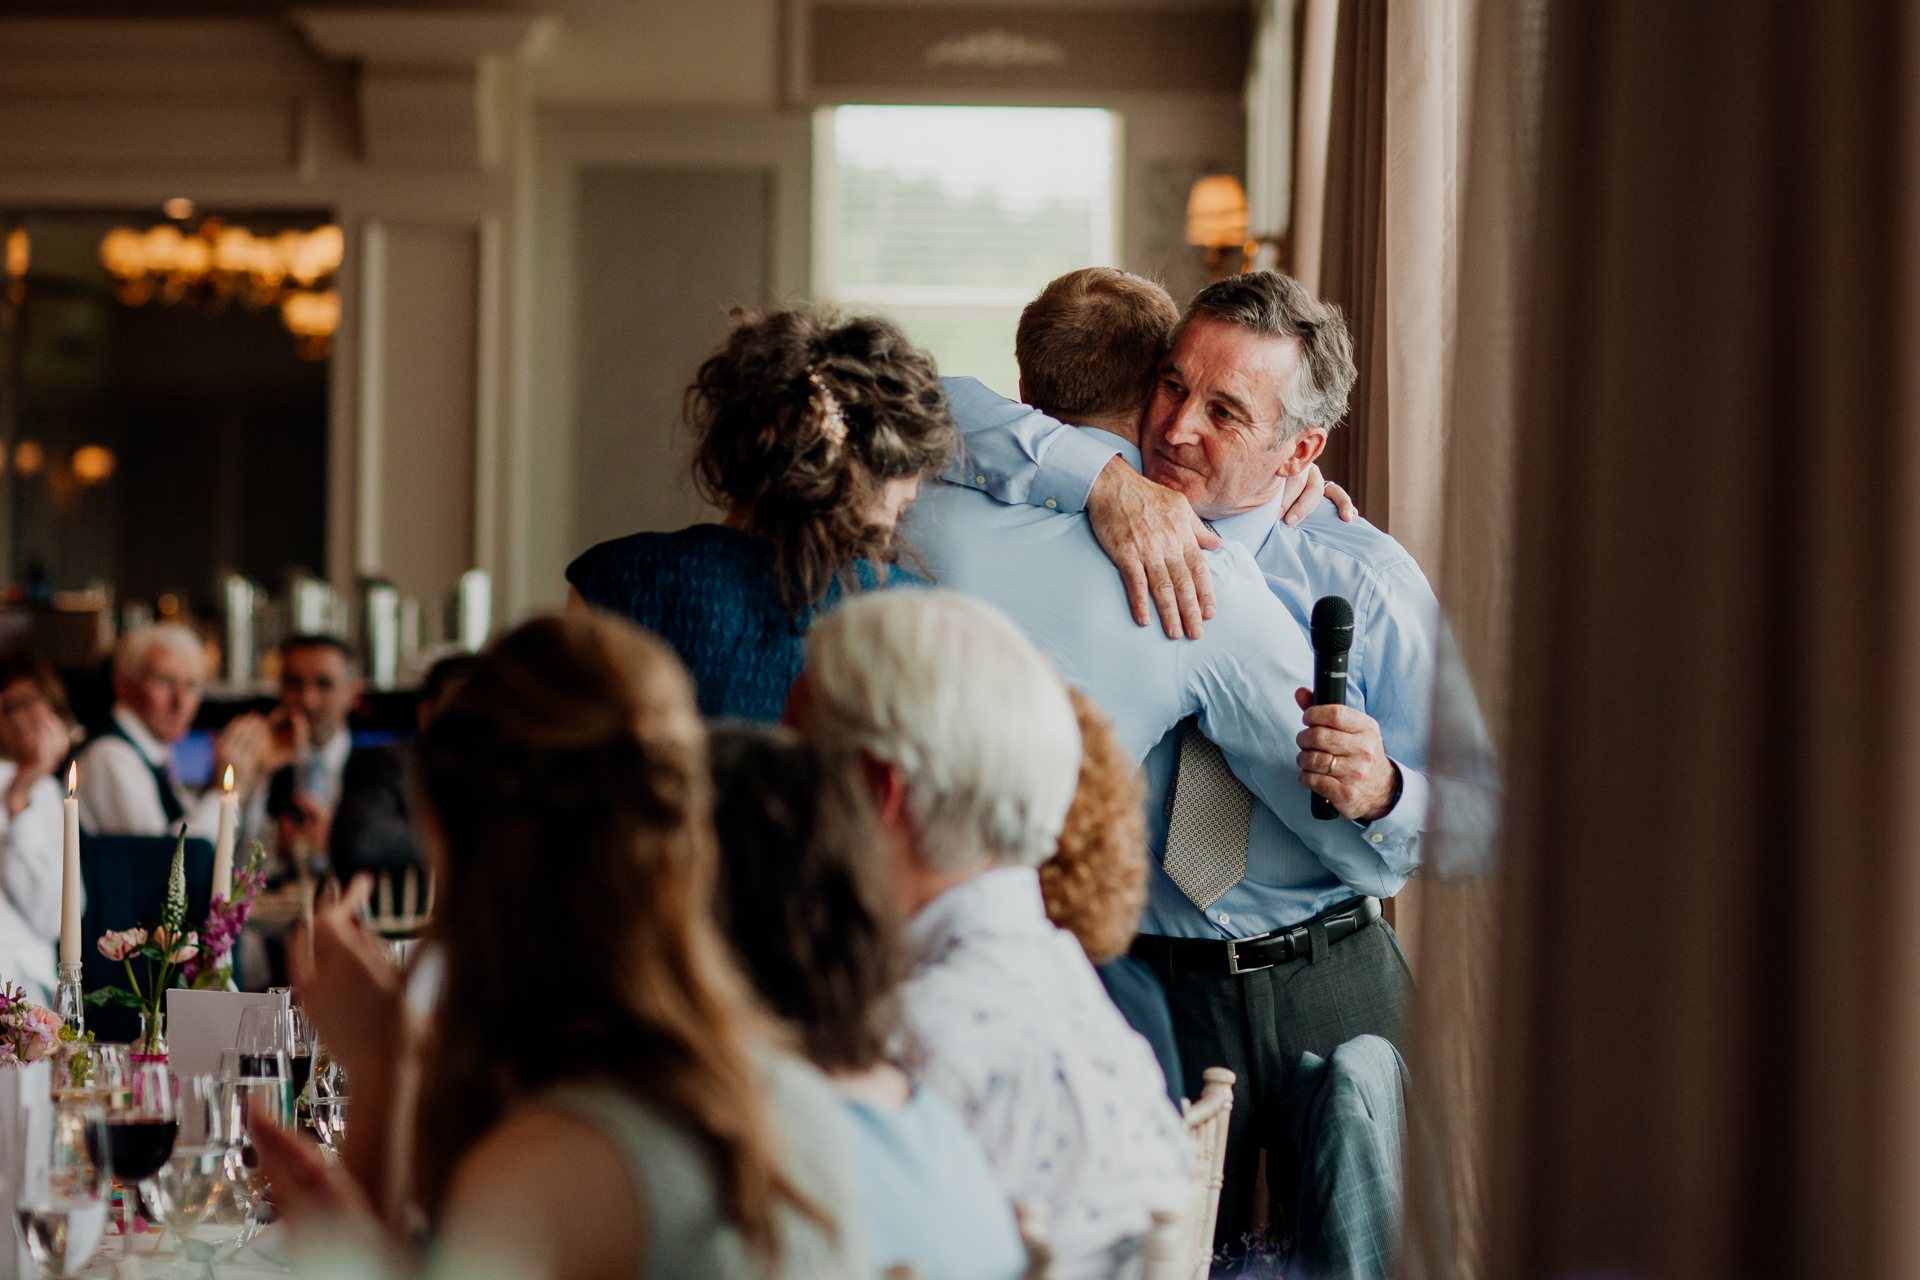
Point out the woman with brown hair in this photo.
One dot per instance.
(597, 1097)
(812, 433)
(1096, 882)
(36, 736)
(807, 906)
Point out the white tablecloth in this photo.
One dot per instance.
(155, 1252)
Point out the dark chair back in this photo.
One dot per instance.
(126, 879)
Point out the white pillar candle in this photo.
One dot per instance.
(223, 841)
(70, 875)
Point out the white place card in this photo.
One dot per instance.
(202, 1023)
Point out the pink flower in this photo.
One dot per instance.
(187, 950)
(41, 1033)
(118, 946)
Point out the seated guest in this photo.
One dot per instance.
(36, 733)
(127, 786)
(967, 741)
(318, 688)
(812, 434)
(1096, 883)
(804, 899)
(371, 830)
(598, 1096)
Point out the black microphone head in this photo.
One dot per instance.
(1332, 625)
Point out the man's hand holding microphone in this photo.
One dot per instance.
(1343, 760)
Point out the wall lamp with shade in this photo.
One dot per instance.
(1217, 221)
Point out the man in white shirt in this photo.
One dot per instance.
(127, 785)
(969, 745)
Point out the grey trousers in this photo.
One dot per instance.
(1257, 1025)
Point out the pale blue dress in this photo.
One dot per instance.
(928, 1195)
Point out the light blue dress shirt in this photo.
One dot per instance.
(1047, 572)
(1018, 454)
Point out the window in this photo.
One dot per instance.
(950, 219)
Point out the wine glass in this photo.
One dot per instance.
(111, 1074)
(183, 1190)
(65, 1188)
(284, 1027)
(329, 1105)
(254, 1087)
(140, 1136)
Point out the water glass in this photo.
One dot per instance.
(255, 1088)
(66, 1187)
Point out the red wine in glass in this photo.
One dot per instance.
(138, 1148)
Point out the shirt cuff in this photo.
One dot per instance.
(1407, 818)
(1065, 476)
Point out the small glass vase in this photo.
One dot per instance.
(152, 1044)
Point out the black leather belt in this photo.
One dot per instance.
(1264, 951)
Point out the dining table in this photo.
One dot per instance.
(212, 1244)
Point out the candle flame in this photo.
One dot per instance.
(73, 777)
(227, 785)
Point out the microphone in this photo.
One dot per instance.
(1332, 636)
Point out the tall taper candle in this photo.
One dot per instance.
(223, 841)
(70, 875)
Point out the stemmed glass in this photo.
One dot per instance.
(329, 1105)
(254, 1086)
(65, 1188)
(112, 1073)
(283, 1028)
(140, 1136)
(183, 1190)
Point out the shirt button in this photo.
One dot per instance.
(979, 479)
(1223, 917)
(1052, 503)
(1376, 837)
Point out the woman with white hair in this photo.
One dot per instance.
(127, 785)
(970, 747)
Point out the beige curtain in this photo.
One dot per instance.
(1459, 913)
(1352, 258)
(1709, 1063)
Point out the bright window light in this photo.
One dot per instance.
(950, 219)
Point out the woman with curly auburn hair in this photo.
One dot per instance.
(1096, 883)
(813, 433)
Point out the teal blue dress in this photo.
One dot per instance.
(929, 1197)
(712, 594)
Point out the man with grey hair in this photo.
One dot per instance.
(127, 785)
(1278, 954)
(971, 750)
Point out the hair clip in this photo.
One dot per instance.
(833, 423)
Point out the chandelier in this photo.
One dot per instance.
(219, 263)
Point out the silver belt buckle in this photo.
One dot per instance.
(1233, 958)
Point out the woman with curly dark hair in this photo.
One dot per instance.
(812, 434)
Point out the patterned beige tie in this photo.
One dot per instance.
(1207, 819)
